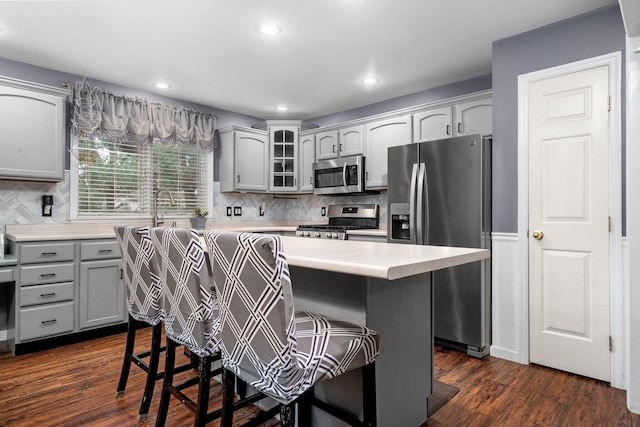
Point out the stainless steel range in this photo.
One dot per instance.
(342, 218)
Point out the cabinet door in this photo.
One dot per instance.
(351, 141)
(102, 299)
(474, 117)
(326, 145)
(283, 154)
(380, 136)
(307, 157)
(432, 124)
(33, 133)
(251, 157)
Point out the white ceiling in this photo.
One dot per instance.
(211, 53)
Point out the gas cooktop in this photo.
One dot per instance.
(341, 219)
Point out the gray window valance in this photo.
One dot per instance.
(99, 113)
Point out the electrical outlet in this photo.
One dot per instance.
(228, 210)
(263, 208)
(324, 211)
(237, 211)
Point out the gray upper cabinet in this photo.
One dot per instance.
(432, 124)
(474, 117)
(380, 135)
(244, 157)
(32, 131)
(348, 141)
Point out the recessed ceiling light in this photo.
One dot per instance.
(370, 80)
(270, 28)
(161, 85)
(282, 108)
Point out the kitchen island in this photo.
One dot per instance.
(386, 287)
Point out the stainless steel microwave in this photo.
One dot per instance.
(339, 176)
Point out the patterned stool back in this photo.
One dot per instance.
(144, 293)
(257, 330)
(190, 307)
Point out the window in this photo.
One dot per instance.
(117, 179)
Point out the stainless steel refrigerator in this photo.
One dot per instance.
(439, 193)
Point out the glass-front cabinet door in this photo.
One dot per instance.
(284, 150)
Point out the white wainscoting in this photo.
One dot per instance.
(507, 294)
(510, 307)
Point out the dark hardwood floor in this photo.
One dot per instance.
(75, 386)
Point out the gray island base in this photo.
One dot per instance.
(398, 308)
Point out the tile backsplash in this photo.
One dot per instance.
(21, 203)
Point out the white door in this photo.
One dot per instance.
(569, 223)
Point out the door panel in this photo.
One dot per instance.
(569, 212)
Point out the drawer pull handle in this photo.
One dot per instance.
(48, 275)
(49, 253)
(104, 251)
(49, 295)
(49, 322)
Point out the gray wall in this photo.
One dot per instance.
(430, 95)
(578, 38)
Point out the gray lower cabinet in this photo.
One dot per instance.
(101, 300)
(65, 287)
(101, 293)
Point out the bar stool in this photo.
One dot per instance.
(190, 317)
(265, 342)
(143, 305)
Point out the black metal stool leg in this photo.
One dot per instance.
(128, 351)
(228, 391)
(154, 361)
(170, 361)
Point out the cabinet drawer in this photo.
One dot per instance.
(49, 273)
(46, 252)
(45, 320)
(99, 250)
(6, 275)
(42, 294)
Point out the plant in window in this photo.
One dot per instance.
(199, 219)
(198, 213)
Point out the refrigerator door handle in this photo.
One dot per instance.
(421, 209)
(412, 204)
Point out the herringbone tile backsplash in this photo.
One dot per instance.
(21, 203)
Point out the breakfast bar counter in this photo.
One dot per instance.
(388, 288)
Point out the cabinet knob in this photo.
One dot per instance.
(238, 179)
(460, 128)
(333, 148)
(448, 130)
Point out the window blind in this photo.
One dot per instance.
(119, 178)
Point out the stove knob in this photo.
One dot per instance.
(327, 235)
(316, 234)
(335, 235)
(307, 234)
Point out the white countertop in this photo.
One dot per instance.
(79, 231)
(372, 259)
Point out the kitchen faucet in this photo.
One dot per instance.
(155, 205)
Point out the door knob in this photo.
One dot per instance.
(538, 235)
